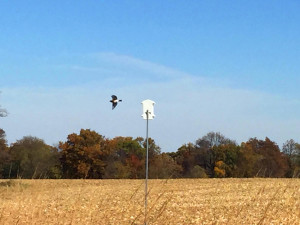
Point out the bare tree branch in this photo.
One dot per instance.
(3, 112)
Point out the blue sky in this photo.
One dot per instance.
(228, 66)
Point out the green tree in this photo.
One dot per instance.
(210, 149)
(292, 150)
(296, 161)
(126, 158)
(205, 153)
(163, 166)
(32, 158)
(4, 156)
(153, 148)
(289, 148)
(198, 172)
(247, 159)
(186, 158)
(3, 142)
(227, 154)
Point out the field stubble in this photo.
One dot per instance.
(182, 201)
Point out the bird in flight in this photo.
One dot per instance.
(114, 101)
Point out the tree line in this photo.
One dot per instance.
(89, 155)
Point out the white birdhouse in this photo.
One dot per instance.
(148, 106)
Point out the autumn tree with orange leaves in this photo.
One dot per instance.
(83, 155)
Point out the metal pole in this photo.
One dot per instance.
(146, 181)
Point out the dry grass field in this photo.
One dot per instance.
(186, 201)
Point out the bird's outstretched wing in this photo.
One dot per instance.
(114, 97)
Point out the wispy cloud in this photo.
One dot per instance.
(139, 64)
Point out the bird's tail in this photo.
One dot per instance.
(120, 100)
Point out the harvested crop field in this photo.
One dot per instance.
(182, 201)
